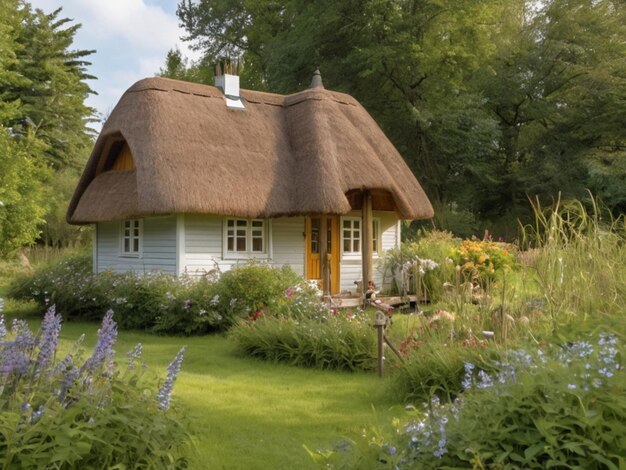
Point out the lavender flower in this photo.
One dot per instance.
(134, 355)
(50, 330)
(103, 351)
(467, 378)
(16, 353)
(3, 328)
(68, 381)
(165, 392)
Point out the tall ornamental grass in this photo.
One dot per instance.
(83, 413)
(579, 264)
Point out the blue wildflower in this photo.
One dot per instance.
(103, 350)
(165, 392)
(50, 330)
(134, 355)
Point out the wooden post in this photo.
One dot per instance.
(367, 238)
(323, 254)
(380, 327)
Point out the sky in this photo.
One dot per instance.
(131, 39)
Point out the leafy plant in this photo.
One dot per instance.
(87, 413)
(562, 406)
(341, 341)
(481, 260)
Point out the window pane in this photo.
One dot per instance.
(136, 245)
(356, 245)
(230, 223)
(346, 224)
(346, 245)
(242, 223)
(231, 244)
(357, 223)
(257, 244)
(241, 244)
(257, 223)
(126, 245)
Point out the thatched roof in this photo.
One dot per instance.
(310, 152)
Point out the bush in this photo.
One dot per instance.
(564, 407)
(420, 267)
(83, 414)
(435, 367)
(164, 303)
(479, 261)
(68, 284)
(247, 289)
(341, 341)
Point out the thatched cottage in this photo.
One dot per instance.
(186, 177)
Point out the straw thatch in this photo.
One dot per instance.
(311, 152)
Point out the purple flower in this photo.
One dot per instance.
(50, 330)
(103, 350)
(15, 354)
(134, 355)
(3, 328)
(70, 378)
(165, 392)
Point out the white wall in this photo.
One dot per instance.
(199, 240)
(351, 265)
(204, 246)
(158, 253)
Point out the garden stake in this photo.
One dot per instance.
(380, 324)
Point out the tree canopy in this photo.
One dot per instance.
(489, 102)
(44, 130)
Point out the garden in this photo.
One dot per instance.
(513, 359)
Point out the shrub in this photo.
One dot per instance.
(163, 303)
(479, 261)
(89, 415)
(420, 267)
(244, 290)
(140, 300)
(564, 407)
(434, 366)
(340, 341)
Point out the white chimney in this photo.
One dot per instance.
(229, 85)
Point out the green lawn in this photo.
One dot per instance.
(253, 415)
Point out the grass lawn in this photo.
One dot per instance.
(250, 414)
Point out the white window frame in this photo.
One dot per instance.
(131, 237)
(376, 237)
(250, 236)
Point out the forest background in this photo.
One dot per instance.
(490, 102)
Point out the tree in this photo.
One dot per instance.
(43, 119)
(52, 88)
(489, 102)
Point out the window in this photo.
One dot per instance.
(351, 232)
(131, 243)
(351, 235)
(246, 236)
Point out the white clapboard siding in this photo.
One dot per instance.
(204, 244)
(288, 243)
(158, 252)
(351, 266)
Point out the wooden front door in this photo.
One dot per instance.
(315, 251)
